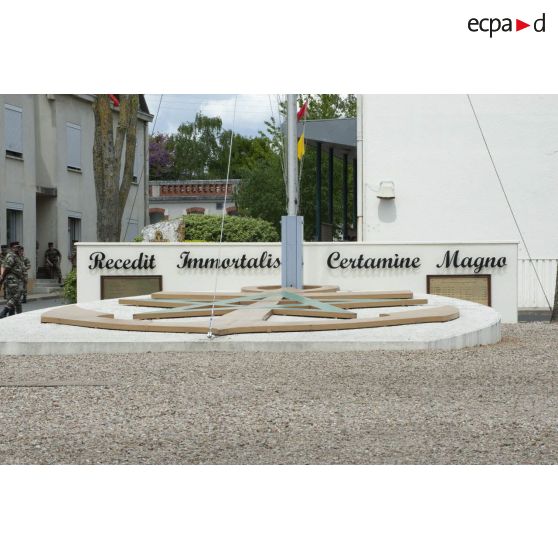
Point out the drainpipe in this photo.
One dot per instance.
(360, 166)
(145, 175)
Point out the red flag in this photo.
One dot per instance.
(114, 100)
(302, 112)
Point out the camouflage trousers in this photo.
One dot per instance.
(14, 292)
(55, 271)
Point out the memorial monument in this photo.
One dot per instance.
(249, 311)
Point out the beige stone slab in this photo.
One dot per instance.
(427, 315)
(76, 316)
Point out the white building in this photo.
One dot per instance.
(431, 147)
(170, 199)
(458, 186)
(47, 191)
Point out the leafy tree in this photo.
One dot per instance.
(262, 190)
(200, 150)
(329, 106)
(323, 106)
(196, 147)
(247, 153)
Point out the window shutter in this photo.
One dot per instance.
(14, 128)
(73, 145)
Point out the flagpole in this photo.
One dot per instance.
(292, 157)
(292, 226)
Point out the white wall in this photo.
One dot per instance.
(536, 290)
(316, 271)
(446, 188)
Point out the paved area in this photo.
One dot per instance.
(494, 404)
(42, 302)
(24, 334)
(38, 302)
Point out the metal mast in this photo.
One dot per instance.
(292, 225)
(292, 157)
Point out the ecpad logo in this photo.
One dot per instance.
(493, 25)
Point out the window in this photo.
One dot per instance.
(14, 131)
(74, 230)
(138, 163)
(219, 206)
(14, 225)
(156, 215)
(73, 146)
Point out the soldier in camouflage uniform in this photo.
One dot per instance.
(3, 254)
(52, 259)
(12, 276)
(26, 267)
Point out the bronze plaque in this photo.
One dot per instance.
(118, 286)
(475, 288)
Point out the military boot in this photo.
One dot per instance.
(5, 312)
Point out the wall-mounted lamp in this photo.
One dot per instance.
(386, 191)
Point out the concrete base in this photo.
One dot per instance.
(25, 335)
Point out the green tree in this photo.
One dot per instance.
(263, 191)
(196, 147)
(200, 150)
(247, 153)
(329, 105)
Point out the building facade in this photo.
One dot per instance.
(47, 189)
(169, 199)
(464, 169)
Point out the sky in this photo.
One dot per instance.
(251, 111)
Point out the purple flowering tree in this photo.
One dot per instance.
(161, 157)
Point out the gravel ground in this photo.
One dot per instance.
(496, 404)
